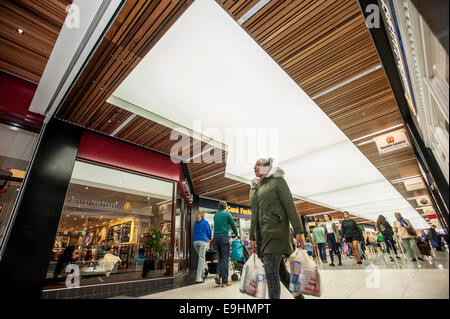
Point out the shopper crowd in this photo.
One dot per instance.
(276, 230)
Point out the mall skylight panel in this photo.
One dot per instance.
(207, 68)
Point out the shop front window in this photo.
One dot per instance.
(115, 226)
(16, 150)
(182, 234)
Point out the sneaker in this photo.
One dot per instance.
(414, 259)
(217, 280)
(226, 284)
(359, 262)
(299, 297)
(397, 257)
(390, 257)
(340, 264)
(332, 264)
(420, 258)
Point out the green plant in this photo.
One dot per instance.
(155, 241)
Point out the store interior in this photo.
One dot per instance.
(114, 230)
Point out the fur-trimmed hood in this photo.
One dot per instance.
(274, 172)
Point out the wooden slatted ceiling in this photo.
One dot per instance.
(319, 44)
(322, 44)
(138, 27)
(26, 55)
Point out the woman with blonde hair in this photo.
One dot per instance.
(202, 235)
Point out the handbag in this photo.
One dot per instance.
(411, 232)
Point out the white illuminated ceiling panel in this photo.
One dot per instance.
(369, 193)
(207, 68)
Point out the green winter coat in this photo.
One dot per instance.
(272, 210)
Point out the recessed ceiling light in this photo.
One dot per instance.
(20, 30)
(86, 187)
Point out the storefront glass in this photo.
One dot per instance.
(182, 236)
(16, 150)
(115, 226)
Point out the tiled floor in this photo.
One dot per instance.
(376, 278)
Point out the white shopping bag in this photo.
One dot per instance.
(305, 277)
(253, 279)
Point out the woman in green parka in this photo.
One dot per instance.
(272, 210)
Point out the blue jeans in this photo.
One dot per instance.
(200, 248)
(322, 251)
(223, 249)
(333, 247)
(389, 241)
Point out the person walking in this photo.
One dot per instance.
(222, 224)
(386, 231)
(406, 232)
(332, 235)
(319, 239)
(202, 236)
(309, 247)
(380, 240)
(352, 235)
(434, 238)
(272, 210)
(373, 240)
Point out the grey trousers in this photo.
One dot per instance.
(275, 271)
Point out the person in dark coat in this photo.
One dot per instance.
(63, 260)
(352, 235)
(272, 210)
(434, 238)
(387, 232)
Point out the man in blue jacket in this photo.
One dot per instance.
(222, 223)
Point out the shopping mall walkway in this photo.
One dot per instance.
(377, 278)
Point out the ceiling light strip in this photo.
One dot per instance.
(253, 10)
(323, 213)
(219, 189)
(399, 180)
(406, 160)
(376, 133)
(347, 82)
(416, 197)
(366, 142)
(204, 179)
(121, 126)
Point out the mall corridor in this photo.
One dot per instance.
(140, 138)
(375, 279)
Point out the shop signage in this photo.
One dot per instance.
(424, 201)
(397, 49)
(237, 210)
(391, 141)
(414, 184)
